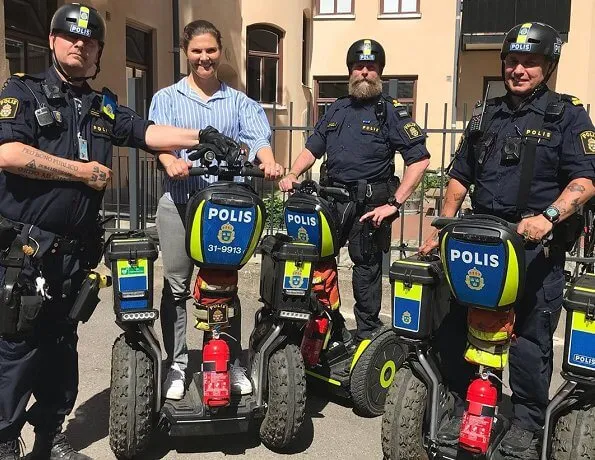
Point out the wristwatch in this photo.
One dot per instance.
(552, 214)
(392, 201)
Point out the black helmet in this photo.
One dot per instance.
(366, 50)
(534, 38)
(79, 19)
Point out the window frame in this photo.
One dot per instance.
(263, 54)
(28, 38)
(400, 8)
(334, 13)
(385, 78)
(146, 67)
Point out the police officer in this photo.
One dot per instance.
(531, 161)
(360, 134)
(56, 139)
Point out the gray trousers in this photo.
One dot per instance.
(177, 274)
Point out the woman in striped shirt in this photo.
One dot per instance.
(197, 101)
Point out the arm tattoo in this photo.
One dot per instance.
(48, 167)
(576, 188)
(575, 205)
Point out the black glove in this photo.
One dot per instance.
(210, 135)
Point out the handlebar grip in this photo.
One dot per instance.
(441, 222)
(251, 172)
(336, 191)
(198, 171)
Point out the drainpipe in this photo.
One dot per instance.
(176, 37)
(455, 75)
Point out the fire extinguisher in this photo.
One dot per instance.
(476, 428)
(313, 340)
(215, 372)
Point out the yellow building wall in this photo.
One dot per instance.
(420, 47)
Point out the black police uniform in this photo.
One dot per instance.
(44, 362)
(563, 153)
(360, 139)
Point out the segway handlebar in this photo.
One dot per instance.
(312, 187)
(231, 154)
(245, 170)
(441, 222)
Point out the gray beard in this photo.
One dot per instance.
(365, 89)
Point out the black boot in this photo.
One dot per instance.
(340, 333)
(448, 434)
(519, 443)
(10, 450)
(53, 447)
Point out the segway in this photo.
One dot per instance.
(482, 261)
(224, 223)
(363, 373)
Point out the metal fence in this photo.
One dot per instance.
(137, 182)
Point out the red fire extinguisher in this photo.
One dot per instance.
(215, 372)
(482, 399)
(313, 340)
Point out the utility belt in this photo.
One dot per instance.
(24, 249)
(368, 192)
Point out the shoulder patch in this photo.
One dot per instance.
(572, 99)
(413, 130)
(8, 107)
(587, 139)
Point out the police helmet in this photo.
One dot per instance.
(79, 19)
(366, 50)
(533, 38)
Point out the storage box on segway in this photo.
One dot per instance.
(579, 340)
(131, 257)
(420, 297)
(286, 272)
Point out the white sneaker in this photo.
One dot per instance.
(175, 383)
(239, 382)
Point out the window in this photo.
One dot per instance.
(27, 29)
(399, 6)
(329, 90)
(335, 6)
(139, 61)
(264, 64)
(496, 87)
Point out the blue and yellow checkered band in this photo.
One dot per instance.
(523, 32)
(83, 17)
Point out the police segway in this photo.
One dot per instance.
(363, 373)
(224, 223)
(482, 261)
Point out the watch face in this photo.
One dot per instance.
(552, 213)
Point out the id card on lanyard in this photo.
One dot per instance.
(83, 148)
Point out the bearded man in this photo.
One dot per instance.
(359, 134)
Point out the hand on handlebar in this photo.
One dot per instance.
(535, 228)
(378, 214)
(430, 243)
(272, 170)
(178, 169)
(286, 184)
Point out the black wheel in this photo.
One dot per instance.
(131, 398)
(574, 435)
(373, 374)
(286, 398)
(402, 423)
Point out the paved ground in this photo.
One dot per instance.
(331, 429)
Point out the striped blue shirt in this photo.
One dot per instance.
(229, 111)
